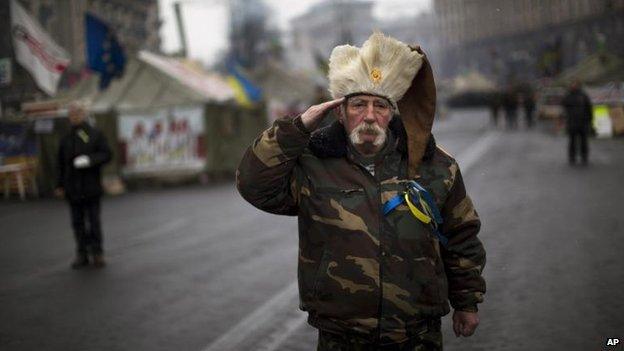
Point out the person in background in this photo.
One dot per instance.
(82, 153)
(510, 105)
(528, 102)
(578, 113)
(495, 104)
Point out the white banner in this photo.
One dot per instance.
(167, 140)
(36, 51)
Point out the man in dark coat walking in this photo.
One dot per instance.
(496, 100)
(82, 152)
(510, 105)
(528, 102)
(578, 112)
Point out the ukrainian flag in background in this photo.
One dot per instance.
(246, 93)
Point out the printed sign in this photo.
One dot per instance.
(167, 140)
(44, 126)
(16, 141)
(602, 121)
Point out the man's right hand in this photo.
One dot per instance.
(313, 115)
(59, 192)
(82, 161)
(465, 323)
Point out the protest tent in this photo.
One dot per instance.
(179, 101)
(164, 118)
(599, 68)
(470, 89)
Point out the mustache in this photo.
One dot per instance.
(369, 129)
(366, 128)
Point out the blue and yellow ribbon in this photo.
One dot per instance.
(414, 197)
(415, 211)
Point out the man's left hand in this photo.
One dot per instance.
(465, 323)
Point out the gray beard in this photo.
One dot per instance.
(367, 148)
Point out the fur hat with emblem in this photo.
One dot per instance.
(383, 66)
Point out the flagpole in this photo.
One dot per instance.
(181, 30)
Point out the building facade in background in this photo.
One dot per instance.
(418, 30)
(325, 25)
(253, 39)
(524, 39)
(329, 23)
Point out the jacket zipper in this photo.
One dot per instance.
(380, 252)
(381, 257)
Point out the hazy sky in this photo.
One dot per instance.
(206, 21)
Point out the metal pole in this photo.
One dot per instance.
(181, 31)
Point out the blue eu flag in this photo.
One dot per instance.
(104, 54)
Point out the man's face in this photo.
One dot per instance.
(76, 115)
(366, 119)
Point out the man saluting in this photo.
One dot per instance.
(387, 233)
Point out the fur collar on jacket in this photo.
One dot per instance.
(331, 141)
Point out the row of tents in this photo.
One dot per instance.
(597, 69)
(474, 88)
(166, 118)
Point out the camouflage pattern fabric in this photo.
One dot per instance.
(359, 271)
(428, 340)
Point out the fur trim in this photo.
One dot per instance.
(331, 141)
(383, 66)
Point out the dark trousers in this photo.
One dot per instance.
(528, 115)
(429, 340)
(578, 139)
(87, 239)
(494, 115)
(512, 119)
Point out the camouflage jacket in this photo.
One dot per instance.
(360, 272)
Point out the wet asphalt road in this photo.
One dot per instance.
(197, 268)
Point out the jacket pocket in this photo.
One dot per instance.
(338, 192)
(348, 198)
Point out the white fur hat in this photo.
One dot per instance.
(383, 66)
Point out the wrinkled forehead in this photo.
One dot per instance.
(366, 97)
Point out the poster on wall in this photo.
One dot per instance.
(16, 141)
(169, 139)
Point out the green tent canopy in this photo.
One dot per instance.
(598, 68)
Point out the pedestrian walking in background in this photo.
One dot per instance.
(81, 154)
(495, 105)
(387, 232)
(510, 105)
(528, 102)
(578, 113)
